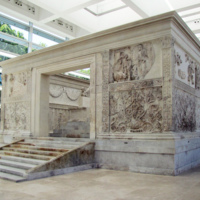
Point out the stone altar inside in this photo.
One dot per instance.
(144, 93)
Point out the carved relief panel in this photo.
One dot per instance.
(64, 95)
(197, 76)
(17, 116)
(17, 85)
(135, 62)
(185, 67)
(137, 110)
(184, 117)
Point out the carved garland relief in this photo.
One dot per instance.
(57, 91)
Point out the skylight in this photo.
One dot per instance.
(105, 7)
(189, 12)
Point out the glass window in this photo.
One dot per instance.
(13, 47)
(44, 42)
(3, 58)
(14, 31)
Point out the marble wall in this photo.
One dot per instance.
(186, 91)
(16, 102)
(147, 88)
(66, 103)
(134, 88)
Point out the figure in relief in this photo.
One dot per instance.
(178, 59)
(191, 72)
(181, 74)
(190, 69)
(122, 68)
(133, 63)
(197, 77)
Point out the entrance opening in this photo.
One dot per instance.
(69, 104)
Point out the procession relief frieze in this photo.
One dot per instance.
(17, 116)
(185, 67)
(136, 110)
(135, 62)
(184, 116)
(197, 76)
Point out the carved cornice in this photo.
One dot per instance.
(171, 17)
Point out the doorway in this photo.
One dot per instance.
(40, 97)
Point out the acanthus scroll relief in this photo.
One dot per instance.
(184, 111)
(134, 62)
(17, 116)
(136, 110)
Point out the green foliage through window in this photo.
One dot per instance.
(11, 46)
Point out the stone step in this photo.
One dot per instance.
(60, 142)
(26, 155)
(78, 140)
(12, 170)
(30, 151)
(22, 160)
(24, 146)
(11, 177)
(15, 164)
(50, 145)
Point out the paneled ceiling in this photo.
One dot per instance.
(74, 18)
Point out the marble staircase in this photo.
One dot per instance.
(34, 158)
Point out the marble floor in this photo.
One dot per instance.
(101, 184)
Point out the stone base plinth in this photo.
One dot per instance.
(155, 155)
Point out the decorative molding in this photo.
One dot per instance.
(182, 86)
(131, 85)
(167, 85)
(167, 41)
(105, 91)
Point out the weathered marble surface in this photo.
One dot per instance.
(68, 101)
(144, 82)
